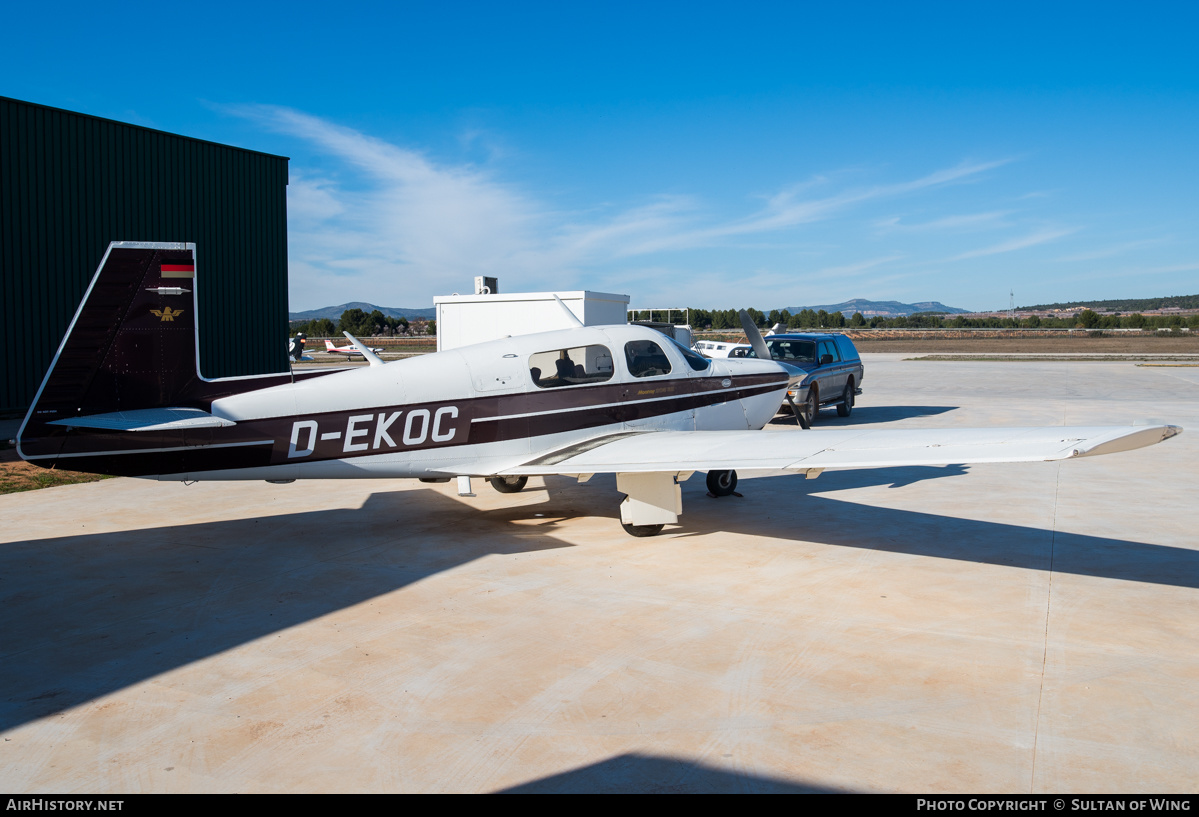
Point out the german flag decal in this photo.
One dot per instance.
(178, 270)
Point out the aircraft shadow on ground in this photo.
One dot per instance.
(87, 615)
(650, 774)
(91, 614)
(788, 508)
(863, 415)
(794, 513)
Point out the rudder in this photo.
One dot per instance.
(130, 346)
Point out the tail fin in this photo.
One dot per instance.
(329, 345)
(131, 344)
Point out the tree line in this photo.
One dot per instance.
(807, 319)
(1128, 304)
(362, 325)
(375, 324)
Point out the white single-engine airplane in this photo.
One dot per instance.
(124, 395)
(348, 351)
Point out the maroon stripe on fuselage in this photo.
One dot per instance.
(501, 428)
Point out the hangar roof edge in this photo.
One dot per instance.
(142, 127)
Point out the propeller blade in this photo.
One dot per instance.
(754, 336)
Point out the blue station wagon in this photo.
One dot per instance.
(833, 366)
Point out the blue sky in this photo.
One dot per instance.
(702, 154)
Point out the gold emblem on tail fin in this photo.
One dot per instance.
(168, 314)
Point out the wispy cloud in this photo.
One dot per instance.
(411, 226)
(1167, 268)
(786, 209)
(1113, 250)
(848, 270)
(400, 213)
(1024, 242)
(1135, 273)
(958, 223)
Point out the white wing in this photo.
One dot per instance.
(664, 451)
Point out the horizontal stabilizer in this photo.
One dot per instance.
(153, 419)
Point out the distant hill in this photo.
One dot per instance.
(885, 309)
(334, 312)
(1127, 304)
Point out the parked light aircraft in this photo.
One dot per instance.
(295, 349)
(348, 351)
(721, 349)
(124, 395)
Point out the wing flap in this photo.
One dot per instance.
(839, 449)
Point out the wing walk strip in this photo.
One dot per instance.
(569, 451)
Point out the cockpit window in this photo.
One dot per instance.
(571, 367)
(646, 358)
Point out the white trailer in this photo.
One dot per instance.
(466, 319)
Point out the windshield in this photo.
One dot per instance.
(694, 359)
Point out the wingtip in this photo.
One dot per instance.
(1138, 437)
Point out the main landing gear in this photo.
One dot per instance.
(655, 500)
(722, 483)
(508, 485)
(652, 500)
(641, 530)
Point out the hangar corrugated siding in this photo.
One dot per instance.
(71, 183)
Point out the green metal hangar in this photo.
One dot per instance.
(70, 184)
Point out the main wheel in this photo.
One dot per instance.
(722, 483)
(812, 405)
(641, 530)
(508, 485)
(846, 406)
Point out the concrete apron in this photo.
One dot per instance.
(1005, 628)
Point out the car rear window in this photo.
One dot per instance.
(848, 352)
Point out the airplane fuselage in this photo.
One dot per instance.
(470, 411)
(477, 410)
